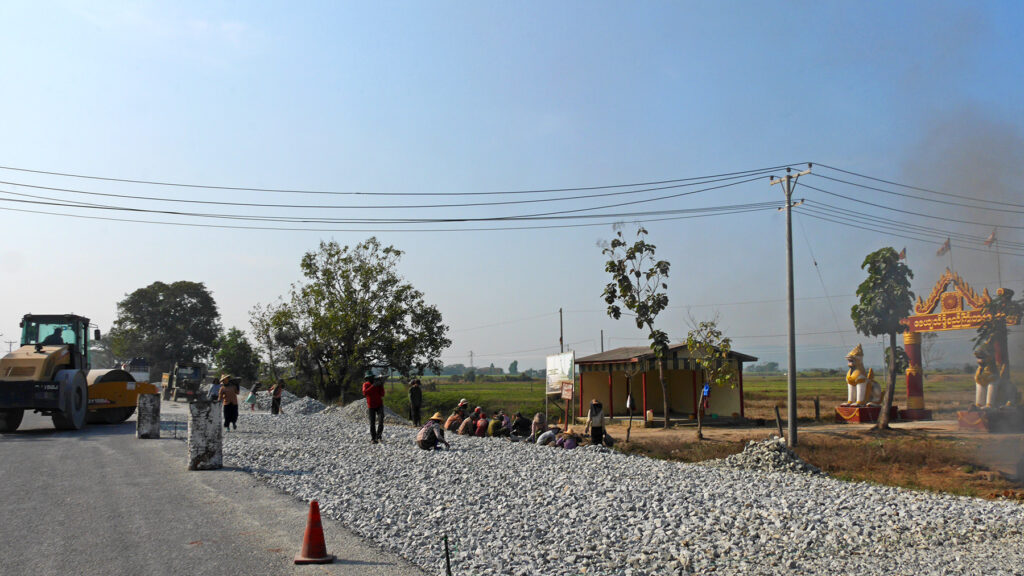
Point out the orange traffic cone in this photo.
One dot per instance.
(314, 550)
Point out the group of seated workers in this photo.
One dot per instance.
(517, 428)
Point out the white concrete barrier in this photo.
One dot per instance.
(205, 423)
(147, 425)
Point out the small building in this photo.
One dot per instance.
(609, 375)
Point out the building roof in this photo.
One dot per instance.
(639, 353)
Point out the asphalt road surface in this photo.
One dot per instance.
(99, 501)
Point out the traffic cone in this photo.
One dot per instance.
(314, 550)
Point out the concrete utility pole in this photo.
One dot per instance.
(10, 343)
(602, 340)
(470, 358)
(789, 182)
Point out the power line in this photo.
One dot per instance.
(901, 194)
(370, 206)
(328, 192)
(918, 188)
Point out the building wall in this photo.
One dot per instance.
(682, 389)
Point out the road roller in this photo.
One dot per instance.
(50, 374)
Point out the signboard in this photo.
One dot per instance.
(946, 321)
(561, 367)
(567, 390)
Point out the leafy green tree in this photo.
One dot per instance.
(166, 323)
(638, 284)
(710, 350)
(885, 299)
(513, 368)
(353, 313)
(236, 356)
(470, 375)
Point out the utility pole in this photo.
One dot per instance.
(470, 358)
(561, 333)
(10, 343)
(602, 340)
(789, 182)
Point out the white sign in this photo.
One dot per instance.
(561, 368)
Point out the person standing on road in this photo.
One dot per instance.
(595, 423)
(276, 391)
(415, 401)
(431, 436)
(229, 398)
(373, 390)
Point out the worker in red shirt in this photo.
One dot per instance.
(373, 389)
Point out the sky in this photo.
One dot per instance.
(424, 99)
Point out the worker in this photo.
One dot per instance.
(453, 422)
(431, 436)
(539, 426)
(520, 427)
(55, 339)
(276, 392)
(481, 425)
(496, 427)
(415, 401)
(229, 398)
(468, 426)
(595, 423)
(373, 390)
(462, 408)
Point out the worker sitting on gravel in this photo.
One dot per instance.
(431, 436)
(468, 426)
(453, 422)
(568, 439)
(548, 437)
(496, 427)
(520, 427)
(481, 425)
(539, 426)
(462, 408)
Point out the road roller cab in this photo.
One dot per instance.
(47, 373)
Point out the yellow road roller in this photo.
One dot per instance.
(50, 374)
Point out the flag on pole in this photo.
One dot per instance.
(944, 248)
(903, 254)
(991, 238)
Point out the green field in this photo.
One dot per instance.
(525, 397)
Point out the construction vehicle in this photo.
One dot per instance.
(50, 374)
(184, 380)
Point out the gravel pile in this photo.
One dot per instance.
(356, 412)
(514, 508)
(306, 406)
(770, 455)
(263, 399)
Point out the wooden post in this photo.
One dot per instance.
(817, 408)
(778, 421)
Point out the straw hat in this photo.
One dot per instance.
(437, 416)
(224, 378)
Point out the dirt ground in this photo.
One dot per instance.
(930, 455)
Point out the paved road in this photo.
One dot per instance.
(99, 501)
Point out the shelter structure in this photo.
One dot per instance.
(611, 376)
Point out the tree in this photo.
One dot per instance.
(710, 350)
(235, 355)
(638, 284)
(513, 368)
(885, 299)
(931, 355)
(354, 313)
(902, 360)
(166, 323)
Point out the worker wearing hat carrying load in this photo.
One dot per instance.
(431, 436)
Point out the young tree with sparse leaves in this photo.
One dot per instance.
(638, 284)
(710, 350)
(885, 299)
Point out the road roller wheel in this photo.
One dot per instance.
(10, 419)
(73, 415)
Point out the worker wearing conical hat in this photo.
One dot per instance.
(862, 390)
(431, 436)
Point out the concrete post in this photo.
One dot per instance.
(204, 436)
(147, 424)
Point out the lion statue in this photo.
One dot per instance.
(862, 388)
(990, 380)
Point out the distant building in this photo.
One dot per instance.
(604, 376)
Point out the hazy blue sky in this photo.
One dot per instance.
(427, 97)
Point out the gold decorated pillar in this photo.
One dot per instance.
(915, 379)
